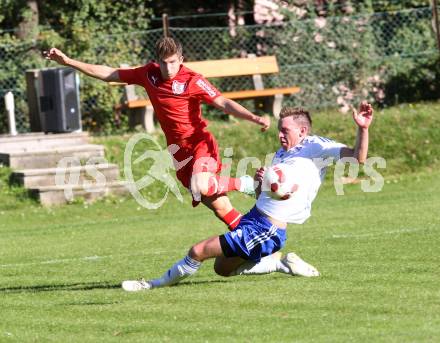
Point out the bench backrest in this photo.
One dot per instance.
(251, 66)
(235, 66)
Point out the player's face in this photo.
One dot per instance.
(169, 66)
(290, 133)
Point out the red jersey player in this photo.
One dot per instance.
(176, 93)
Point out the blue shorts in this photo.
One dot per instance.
(254, 238)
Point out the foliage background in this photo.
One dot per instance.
(337, 51)
(92, 31)
(61, 268)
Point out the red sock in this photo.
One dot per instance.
(232, 219)
(222, 184)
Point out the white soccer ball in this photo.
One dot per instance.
(278, 182)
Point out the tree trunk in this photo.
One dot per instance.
(28, 28)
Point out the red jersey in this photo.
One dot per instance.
(176, 102)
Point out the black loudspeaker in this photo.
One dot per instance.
(53, 97)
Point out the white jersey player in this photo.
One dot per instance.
(252, 248)
(309, 160)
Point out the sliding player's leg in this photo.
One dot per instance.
(182, 269)
(257, 241)
(290, 264)
(232, 266)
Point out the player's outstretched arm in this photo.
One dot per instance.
(94, 70)
(363, 119)
(235, 109)
(259, 175)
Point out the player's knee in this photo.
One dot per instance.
(203, 187)
(196, 252)
(220, 270)
(193, 253)
(199, 184)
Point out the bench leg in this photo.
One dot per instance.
(148, 119)
(142, 116)
(277, 105)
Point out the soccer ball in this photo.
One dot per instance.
(278, 182)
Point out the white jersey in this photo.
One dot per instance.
(309, 160)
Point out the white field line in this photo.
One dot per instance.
(96, 258)
(383, 233)
(85, 258)
(79, 259)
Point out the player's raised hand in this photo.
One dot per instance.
(259, 174)
(258, 180)
(364, 116)
(56, 55)
(265, 123)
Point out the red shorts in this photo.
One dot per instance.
(199, 154)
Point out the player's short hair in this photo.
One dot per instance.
(300, 115)
(166, 47)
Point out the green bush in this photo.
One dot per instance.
(94, 31)
(384, 51)
(405, 135)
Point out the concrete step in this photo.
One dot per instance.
(39, 140)
(34, 178)
(59, 195)
(49, 158)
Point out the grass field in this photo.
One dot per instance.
(378, 254)
(61, 268)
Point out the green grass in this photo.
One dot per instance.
(407, 136)
(377, 252)
(61, 268)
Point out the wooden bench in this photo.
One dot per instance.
(142, 110)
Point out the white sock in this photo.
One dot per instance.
(268, 264)
(179, 271)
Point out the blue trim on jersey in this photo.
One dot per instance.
(324, 139)
(255, 237)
